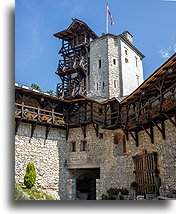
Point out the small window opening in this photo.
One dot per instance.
(100, 111)
(126, 51)
(100, 135)
(103, 85)
(116, 139)
(136, 61)
(115, 83)
(83, 146)
(73, 146)
(99, 63)
(97, 86)
(126, 60)
(114, 61)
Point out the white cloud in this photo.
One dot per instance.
(168, 52)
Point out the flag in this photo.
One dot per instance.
(110, 15)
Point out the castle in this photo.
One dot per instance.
(106, 127)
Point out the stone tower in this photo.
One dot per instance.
(115, 66)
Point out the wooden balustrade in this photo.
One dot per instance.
(37, 114)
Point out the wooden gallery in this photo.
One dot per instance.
(106, 127)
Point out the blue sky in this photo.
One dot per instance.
(151, 22)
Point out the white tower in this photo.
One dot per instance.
(115, 66)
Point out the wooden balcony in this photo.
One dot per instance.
(157, 109)
(40, 116)
(84, 117)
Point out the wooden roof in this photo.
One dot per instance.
(70, 32)
(149, 84)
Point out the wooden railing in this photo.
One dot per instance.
(154, 108)
(37, 114)
(85, 116)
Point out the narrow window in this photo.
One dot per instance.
(100, 135)
(115, 83)
(126, 60)
(114, 61)
(100, 111)
(137, 76)
(83, 146)
(97, 86)
(103, 85)
(126, 51)
(136, 61)
(99, 63)
(124, 144)
(73, 146)
(116, 139)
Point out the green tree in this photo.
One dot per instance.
(51, 92)
(30, 176)
(35, 86)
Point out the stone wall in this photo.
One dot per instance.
(116, 168)
(45, 155)
(56, 164)
(99, 77)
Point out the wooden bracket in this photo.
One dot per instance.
(126, 134)
(96, 127)
(17, 124)
(67, 131)
(48, 128)
(150, 134)
(161, 129)
(135, 137)
(83, 128)
(33, 129)
(171, 120)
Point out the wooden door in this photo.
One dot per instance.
(145, 172)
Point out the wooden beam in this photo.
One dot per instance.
(135, 137)
(83, 128)
(150, 134)
(96, 127)
(161, 129)
(67, 131)
(171, 120)
(48, 128)
(17, 124)
(33, 129)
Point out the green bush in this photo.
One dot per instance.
(115, 194)
(30, 176)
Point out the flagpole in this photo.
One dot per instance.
(106, 18)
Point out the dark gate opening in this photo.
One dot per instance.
(86, 183)
(86, 189)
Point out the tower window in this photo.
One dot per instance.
(136, 61)
(99, 63)
(115, 83)
(126, 51)
(73, 146)
(83, 146)
(103, 85)
(100, 135)
(137, 76)
(114, 61)
(126, 60)
(97, 86)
